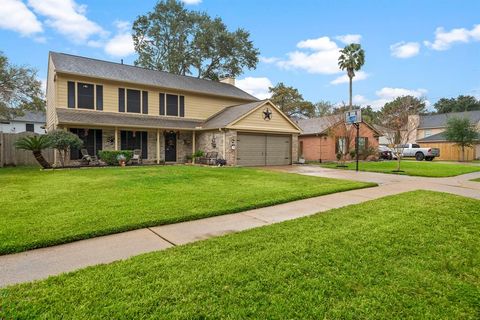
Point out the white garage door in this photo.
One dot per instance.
(263, 149)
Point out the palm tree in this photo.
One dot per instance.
(35, 144)
(352, 58)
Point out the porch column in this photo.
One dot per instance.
(158, 146)
(193, 146)
(116, 139)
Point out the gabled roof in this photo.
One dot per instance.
(29, 116)
(318, 125)
(228, 115)
(68, 116)
(440, 120)
(83, 66)
(439, 137)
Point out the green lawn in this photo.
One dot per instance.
(399, 257)
(42, 208)
(411, 168)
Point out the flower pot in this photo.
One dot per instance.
(121, 163)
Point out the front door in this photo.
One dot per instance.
(171, 147)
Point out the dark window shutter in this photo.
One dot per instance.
(144, 145)
(71, 94)
(98, 140)
(121, 100)
(74, 153)
(145, 102)
(133, 101)
(29, 127)
(182, 106)
(162, 104)
(123, 140)
(99, 97)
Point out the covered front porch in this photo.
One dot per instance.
(154, 146)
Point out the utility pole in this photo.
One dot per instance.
(357, 125)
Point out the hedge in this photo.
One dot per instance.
(110, 157)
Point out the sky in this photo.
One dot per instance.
(428, 49)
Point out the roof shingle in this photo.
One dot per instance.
(121, 72)
(440, 120)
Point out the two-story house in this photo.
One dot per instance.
(113, 106)
(428, 132)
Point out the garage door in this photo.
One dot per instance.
(263, 149)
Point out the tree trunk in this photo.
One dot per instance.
(41, 160)
(350, 104)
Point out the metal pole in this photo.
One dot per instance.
(356, 144)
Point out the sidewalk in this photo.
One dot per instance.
(41, 263)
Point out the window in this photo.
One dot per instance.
(414, 146)
(29, 127)
(341, 145)
(121, 100)
(92, 141)
(362, 144)
(133, 101)
(99, 97)
(71, 94)
(300, 149)
(85, 96)
(172, 105)
(145, 102)
(428, 133)
(131, 140)
(162, 104)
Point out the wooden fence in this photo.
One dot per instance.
(11, 156)
(449, 151)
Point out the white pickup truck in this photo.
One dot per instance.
(414, 150)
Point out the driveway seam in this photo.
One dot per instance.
(163, 238)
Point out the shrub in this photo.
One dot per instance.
(35, 144)
(198, 154)
(64, 141)
(110, 157)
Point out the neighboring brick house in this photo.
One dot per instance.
(112, 106)
(429, 133)
(322, 138)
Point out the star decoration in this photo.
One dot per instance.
(267, 114)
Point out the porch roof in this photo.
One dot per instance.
(81, 117)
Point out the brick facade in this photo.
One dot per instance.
(322, 147)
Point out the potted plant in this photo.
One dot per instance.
(189, 158)
(121, 160)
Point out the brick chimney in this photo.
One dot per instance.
(228, 80)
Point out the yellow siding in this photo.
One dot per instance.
(256, 121)
(421, 132)
(197, 106)
(51, 115)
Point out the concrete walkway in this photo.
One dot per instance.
(41, 263)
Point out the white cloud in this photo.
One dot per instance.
(268, 59)
(258, 87)
(359, 75)
(15, 16)
(318, 56)
(192, 2)
(405, 49)
(445, 39)
(388, 94)
(121, 44)
(68, 18)
(349, 38)
(319, 44)
(321, 57)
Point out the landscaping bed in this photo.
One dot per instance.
(393, 258)
(43, 208)
(408, 167)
